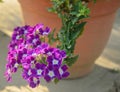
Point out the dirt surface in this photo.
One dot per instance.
(105, 76)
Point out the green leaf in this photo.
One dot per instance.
(71, 60)
(72, 13)
(51, 38)
(70, 47)
(51, 10)
(78, 31)
(61, 35)
(56, 80)
(95, 1)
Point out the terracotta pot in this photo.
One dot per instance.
(97, 31)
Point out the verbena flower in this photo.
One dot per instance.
(29, 50)
(52, 72)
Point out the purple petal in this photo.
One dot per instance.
(33, 82)
(47, 78)
(66, 74)
(63, 53)
(64, 67)
(40, 66)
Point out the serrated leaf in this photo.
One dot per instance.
(71, 60)
(78, 31)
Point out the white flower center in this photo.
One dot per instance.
(17, 37)
(55, 62)
(25, 31)
(35, 80)
(16, 65)
(32, 62)
(34, 40)
(39, 72)
(16, 47)
(24, 55)
(45, 33)
(29, 72)
(51, 73)
(61, 71)
(34, 54)
(9, 71)
(49, 53)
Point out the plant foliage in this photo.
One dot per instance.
(72, 13)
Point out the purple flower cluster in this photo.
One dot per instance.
(29, 51)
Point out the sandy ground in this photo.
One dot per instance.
(105, 76)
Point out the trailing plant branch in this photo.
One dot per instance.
(71, 13)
